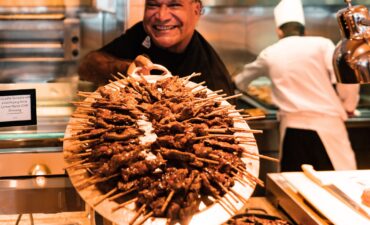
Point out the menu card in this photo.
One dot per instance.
(18, 107)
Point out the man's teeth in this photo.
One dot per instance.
(164, 27)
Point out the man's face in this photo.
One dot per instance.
(171, 23)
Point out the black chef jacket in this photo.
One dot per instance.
(199, 56)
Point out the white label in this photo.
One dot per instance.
(15, 108)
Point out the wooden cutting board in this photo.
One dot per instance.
(350, 182)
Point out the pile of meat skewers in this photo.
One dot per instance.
(165, 145)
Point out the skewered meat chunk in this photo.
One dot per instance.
(207, 187)
(141, 168)
(127, 134)
(92, 134)
(171, 128)
(225, 146)
(179, 141)
(175, 179)
(201, 150)
(189, 207)
(125, 159)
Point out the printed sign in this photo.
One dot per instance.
(18, 107)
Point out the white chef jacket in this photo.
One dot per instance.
(301, 72)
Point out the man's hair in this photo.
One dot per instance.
(292, 29)
(201, 5)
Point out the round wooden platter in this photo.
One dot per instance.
(213, 214)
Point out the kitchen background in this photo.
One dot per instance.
(41, 42)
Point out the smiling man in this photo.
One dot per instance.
(167, 36)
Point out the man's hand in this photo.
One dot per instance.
(98, 67)
(143, 62)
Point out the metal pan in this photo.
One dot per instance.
(257, 219)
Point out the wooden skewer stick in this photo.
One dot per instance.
(241, 180)
(187, 78)
(75, 163)
(223, 135)
(80, 123)
(114, 85)
(250, 143)
(79, 128)
(105, 196)
(145, 218)
(85, 135)
(122, 81)
(85, 92)
(220, 109)
(99, 180)
(209, 98)
(226, 191)
(138, 213)
(85, 181)
(244, 200)
(250, 176)
(225, 130)
(232, 96)
(84, 103)
(262, 156)
(85, 95)
(89, 141)
(122, 194)
(215, 92)
(240, 116)
(214, 156)
(225, 206)
(241, 171)
(199, 90)
(82, 115)
(227, 203)
(124, 204)
(121, 75)
(168, 199)
(198, 85)
(255, 117)
(86, 166)
(236, 111)
(208, 160)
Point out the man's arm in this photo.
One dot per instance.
(349, 95)
(98, 67)
(250, 72)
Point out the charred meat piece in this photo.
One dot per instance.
(127, 134)
(96, 133)
(172, 154)
(141, 168)
(175, 179)
(179, 141)
(225, 146)
(201, 150)
(171, 128)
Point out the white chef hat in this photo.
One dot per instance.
(289, 11)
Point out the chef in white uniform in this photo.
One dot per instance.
(311, 111)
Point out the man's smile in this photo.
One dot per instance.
(164, 27)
